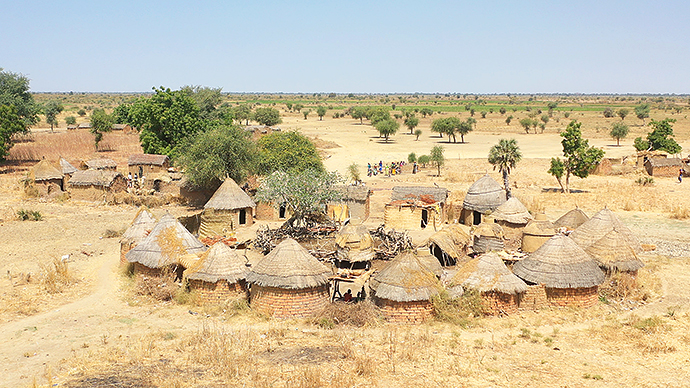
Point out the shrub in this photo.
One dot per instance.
(56, 276)
(645, 181)
(349, 314)
(29, 215)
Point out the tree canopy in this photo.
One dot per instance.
(267, 116)
(504, 156)
(51, 109)
(207, 99)
(642, 111)
(321, 111)
(619, 131)
(11, 123)
(387, 128)
(101, 123)
(579, 159)
(14, 91)
(358, 112)
(411, 122)
(661, 138)
(287, 151)
(436, 157)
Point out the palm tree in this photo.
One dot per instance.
(504, 156)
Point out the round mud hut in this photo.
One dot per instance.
(141, 226)
(229, 208)
(513, 216)
(499, 288)
(219, 276)
(488, 237)
(354, 249)
(536, 233)
(289, 282)
(450, 245)
(403, 290)
(158, 254)
(563, 271)
(614, 255)
(571, 220)
(483, 197)
(47, 178)
(598, 226)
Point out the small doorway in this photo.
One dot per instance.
(281, 211)
(476, 218)
(243, 217)
(141, 171)
(425, 218)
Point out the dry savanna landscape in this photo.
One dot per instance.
(73, 315)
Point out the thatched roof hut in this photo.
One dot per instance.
(95, 178)
(228, 208)
(142, 224)
(512, 211)
(614, 253)
(488, 237)
(289, 282)
(354, 247)
(45, 171)
(598, 226)
(219, 275)
(147, 164)
(536, 233)
(450, 244)
(484, 196)
(572, 219)
(229, 196)
(354, 203)
(415, 208)
(101, 164)
(66, 167)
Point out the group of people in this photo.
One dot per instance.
(135, 181)
(394, 168)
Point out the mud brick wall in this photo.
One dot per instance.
(574, 297)
(124, 248)
(513, 233)
(498, 303)
(146, 271)
(534, 298)
(410, 217)
(405, 312)
(218, 292)
(286, 303)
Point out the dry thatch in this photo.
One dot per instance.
(101, 164)
(540, 226)
(353, 193)
(430, 262)
(405, 279)
(289, 265)
(147, 159)
(488, 273)
(419, 193)
(560, 263)
(168, 241)
(572, 219)
(67, 167)
(99, 178)
(44, 171)
(512, 211)
(229, 196)
(489, 228)
(219, 262)
(614, 253)
(354, 237)
(484, 196)
(599, 225)
(142, 224)
(452, 240)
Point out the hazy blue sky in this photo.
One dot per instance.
(357, 46)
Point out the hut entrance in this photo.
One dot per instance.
(243, 216)
(282, 210)
(476, 218)
(441, 256)
(425, 218)
(141, 171)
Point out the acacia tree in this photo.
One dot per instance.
(411, 122)
(436, 157)
(526, 123)
(358, 112)
(447, 125)
(579, 159)
(101, 123)
(51, 110)
(287, 151)
(243, 113)
(505, 156)
(387, 128)
(267, 116)
(321, 111)
(417, 133)
(661, 138)
(11, 123)
(642, 111)
(622, 112)
(619, 131)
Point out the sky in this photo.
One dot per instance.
(350, 46)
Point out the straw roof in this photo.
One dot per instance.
(598, 226)
(353, 193)
(512, 211)
(354, 236)
(484, 195)
(540, 226)
(103, 178)
(560, 263)
(488, 228)
(291, 266)
(147, 159)
(219, 262)
(167, 241)
(613, 252)
(452, 240)
(431, 263)
(142, 224)
(102, 163)
(488, 273)
(44, 171)
(424, 194)
(664, 162)
(405, 279)
(572, 219)
(229, 196)
(67, 167)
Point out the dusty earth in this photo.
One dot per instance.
(49, 338)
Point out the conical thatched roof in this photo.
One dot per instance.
(488, 273)
(540, 226)
(485, 195)
(452, 239)
(66, 167)
(355, 237)
(165, 244)
(229, 196)
(489, 228)
(613, 252)
(143, 223)
(598, 226)
(219, 262)
(560, 263)
(512, 211)
(431, 263)
(405, 279)
(44, 171)
(572, 219)
(291, 266)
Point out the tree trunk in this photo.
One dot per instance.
(462, 138)
(618, 142)
(438, 166)
(506, 184)
(567, 182)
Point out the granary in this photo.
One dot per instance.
(488, 236)
(289, 282)
(403, 289)
(499, 288)
(143, 223)
(536, 233)
(614, 254)
(47, 179)
(450, 245)
(229, 208)
(598, 226)
(93, 184)
(563, 272)
(219, 275)
(100, 164)
(354, 249)
(483, 197)
(571, 220)
(159, 253)
(665, 167)
(353, 204)
(513, 216)
(415, 208)
(430, 262)
(145, 164)
(67, 168)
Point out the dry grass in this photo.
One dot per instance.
(56, 276)
(363, 314)
(159, 288)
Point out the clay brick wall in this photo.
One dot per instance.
(410, 218)
(534, 298)
(124, 248)
(285, 303)
(405, 312)
(219, 292)
(498, 303)
(513, 234)
(146, 271)
(575, 297)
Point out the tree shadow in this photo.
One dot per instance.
(558, 190)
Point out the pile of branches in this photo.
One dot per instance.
(392, 243)
(304, 229)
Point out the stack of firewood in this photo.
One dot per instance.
(392, 243)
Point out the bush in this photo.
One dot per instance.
(56, 277)
(349, 314)
(645, 181)
(458, 311)
(29, 215)
(424, 160)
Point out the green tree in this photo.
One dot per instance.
(358, 112)
(642, 111)
(505, 156)
(579, 159)
(14, 91)
(661, 138)
(81, 112)
(306, 113)
(417, 133)
(509, 119)
(101, 123)
(51, 110)
(121, 113)
(70, 120)
(213, 155)
(378, 113)
(321, 111)
(207, 99)
(411, 122)
(436, 157)
(619, 131)
(11, 123)
(387, 128)
(412, 157)
(267, 116)
(622, 112)
(424, 160)
(545, 119)
(287, 151)
(608, 113)
(243, 113)
(465, 128)
(502, 110)
(426, 111)
(446, 125)
(526, 123)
